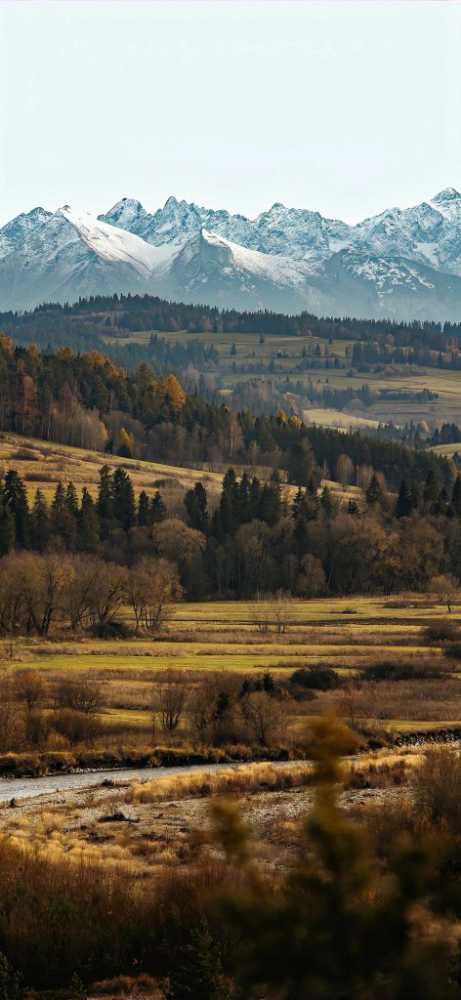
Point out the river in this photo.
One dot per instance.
(22, 788)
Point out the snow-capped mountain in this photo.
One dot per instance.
(403, 263)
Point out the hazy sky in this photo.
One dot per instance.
(345, 107)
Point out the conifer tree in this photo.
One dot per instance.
(143, 516)
(7, 525)
(58, 505)
(88, 533)
(270, 503)
(404, 503)
(16, 499)
(63, 524)
(104, 501)
(40, 523)
(244, 500)
(227, 505)
(71, 499)
(431, 489)
(374, 493)
(196, 503)
(158, 511)
(456, 496)
(123, 499)
(255, 497)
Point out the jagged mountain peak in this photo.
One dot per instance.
(402, 262)
(34, 216)
(447, 194)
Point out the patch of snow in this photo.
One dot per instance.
(282, 270)
(118, 245)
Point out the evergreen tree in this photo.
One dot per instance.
(58, 505)
(196, 503)
(255, 497)
(244, 500)
(143, 517)
(71, 499)
(88, 522)
(414, 496)
(456, 496)
(104, 504)
(374, 493)
(7, 525)
(123, 499)
(16, 500)
(227, 506)
(301, 536)
(431, 489)
(40, 523)
(158, 511)
(63, 524)
(270, 503)
(441, 506)
(404, 505)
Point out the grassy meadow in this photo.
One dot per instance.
(232, 642)
(288, 352)
(43, 464)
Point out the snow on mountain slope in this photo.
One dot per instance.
(282, 270)
(212, 269)
(117, 245)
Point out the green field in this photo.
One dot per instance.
(287, 353)
(250, 639)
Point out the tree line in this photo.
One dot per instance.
(83, 324)
(86, 401)
(255, 538)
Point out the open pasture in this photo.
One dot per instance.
(239, 353)
(42, 464)
(239, 641)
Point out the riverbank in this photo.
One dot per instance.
(35, 765)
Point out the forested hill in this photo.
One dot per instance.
(87, 401)
(80, 325)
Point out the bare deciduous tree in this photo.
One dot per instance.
(152, 585)
(264, 717)
(82, 695)
(30, 688)
(171, 700)
(447, 588)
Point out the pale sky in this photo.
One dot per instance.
(344, 107)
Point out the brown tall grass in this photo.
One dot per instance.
(249, 778)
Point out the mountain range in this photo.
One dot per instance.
(402, 264)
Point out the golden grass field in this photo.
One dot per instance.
(289, 351)
(43, 464)
(248, 639)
